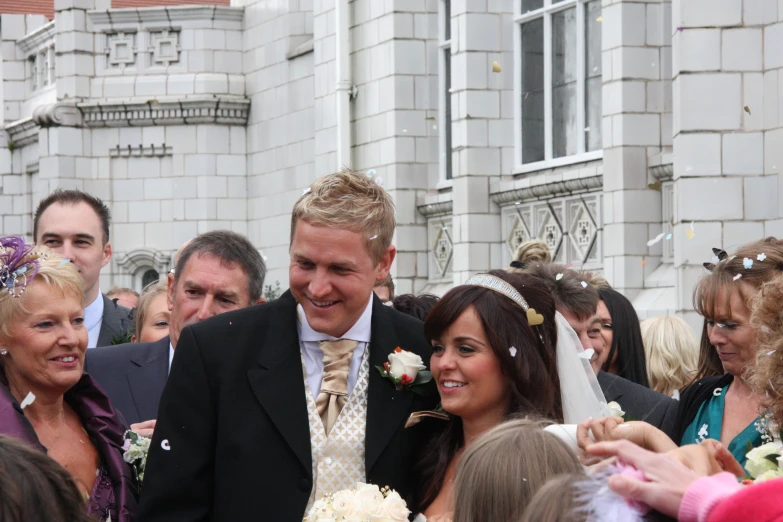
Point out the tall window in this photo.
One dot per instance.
(558, 114)
(444, 80)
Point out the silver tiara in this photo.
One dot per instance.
(496, 284)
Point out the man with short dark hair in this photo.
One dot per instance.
(215, 273)
(76, 225)
(577, 301)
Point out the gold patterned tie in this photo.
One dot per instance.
(334, 384)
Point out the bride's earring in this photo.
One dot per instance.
(3, 352)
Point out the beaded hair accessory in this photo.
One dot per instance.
(496, 284)
(18, 264)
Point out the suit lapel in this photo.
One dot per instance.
(278, 382)
(610, 385)
(147, 380)
(109, 322)
(387, 408)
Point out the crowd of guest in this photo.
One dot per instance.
(546, 387)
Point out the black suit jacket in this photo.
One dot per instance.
(132, 375)
(234, 418)
(640, 403)
(114, 323)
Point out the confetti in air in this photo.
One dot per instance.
(770, 352)
(371, 173)
(558, 277)
(761, 257)
(379, 181)
(374, 237)
(655, 239)
(587, 354)
(765, 329)
(28, 400)
(584, 285)
(656, 185)
(738, 277)
(668, 237)
(679, 29)
(512, 351)
(165, 444)
(496, 68)
(600, 19)
(747, 263)
(306, 191)
(690, 233)
(644, 262)
(747, 109)
(517, 203)
(65, 261)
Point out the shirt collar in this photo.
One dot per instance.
(360, 331)
(94, 312)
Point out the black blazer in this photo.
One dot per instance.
(115, 322)
(132, 375)
(640, 403)
(233, 418)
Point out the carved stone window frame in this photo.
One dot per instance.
(137, 262)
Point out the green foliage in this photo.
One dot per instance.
(270, 293)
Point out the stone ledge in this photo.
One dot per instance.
(104, 20)
(437, 204)
(547, 190)
(22, 132)
(228, 110)
(31, 42)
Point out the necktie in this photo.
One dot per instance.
(334, 383)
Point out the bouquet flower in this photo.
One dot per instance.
(407, 371)
(135, 451)
(764, 463)
(364, 502)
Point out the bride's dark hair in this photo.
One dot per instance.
(532, 375)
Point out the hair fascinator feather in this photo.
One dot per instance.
(18, 264)
(597, 502)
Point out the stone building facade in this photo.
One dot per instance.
(599, 126)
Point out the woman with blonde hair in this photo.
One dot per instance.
(503, 469)
(672, 354)
(532, 251)
(46, 399)
(152, 314)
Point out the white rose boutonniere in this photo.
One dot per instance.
(135, 450)
(407, 371)
(615, 410)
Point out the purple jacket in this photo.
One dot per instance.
(115, 491)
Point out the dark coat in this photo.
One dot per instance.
(104, 427)
(115, 322)
(132, 375)
(234, 418)
(640, 403)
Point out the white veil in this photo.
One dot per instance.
(579, 389)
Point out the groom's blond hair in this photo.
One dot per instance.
(351, 201)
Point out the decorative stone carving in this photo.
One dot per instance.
(121, 50)
(519, 233)
(164, 48)
(441, 248)
(60, 114)
(226, 109)
(144, 259)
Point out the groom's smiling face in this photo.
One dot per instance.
(332, 275)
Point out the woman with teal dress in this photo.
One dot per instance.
(720, 404)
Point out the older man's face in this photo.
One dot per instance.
(589, 331)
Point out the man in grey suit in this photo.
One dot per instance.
(215, 273)
(76, 225)
(577, 301)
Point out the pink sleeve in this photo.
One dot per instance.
(704, 494)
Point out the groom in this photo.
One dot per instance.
(269, 408)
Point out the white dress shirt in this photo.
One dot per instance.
(171, 355)
(93, 316)
(314, 357)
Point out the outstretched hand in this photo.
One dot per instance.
(144, 429)
(614, 428)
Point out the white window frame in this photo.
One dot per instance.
(445, 164)
(549, 8)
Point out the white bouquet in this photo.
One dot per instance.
(364, 502)
(135, 451)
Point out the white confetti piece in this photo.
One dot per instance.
(770, 352)
(496, 68)
(28, 400)
(558, 277)
(655, 239)
(668, 237)
(584, 285)
(738, 277)
(587, 354)
(517, 203)
(371, 173)
(761, 257)
(512, 351)
(747, 263)
(165, 444)
(306, 191)
(765, 329)
(379, 181)
(374, 237)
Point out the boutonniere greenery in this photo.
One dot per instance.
(407, 371)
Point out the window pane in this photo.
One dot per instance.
(531, 5)
(564, 109)
(593, 76)
(447, 18)
(447, 129)
(532, 91)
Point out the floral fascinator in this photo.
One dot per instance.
(18, 264)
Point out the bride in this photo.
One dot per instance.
(499, 350)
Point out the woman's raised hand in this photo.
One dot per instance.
(614, 428)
